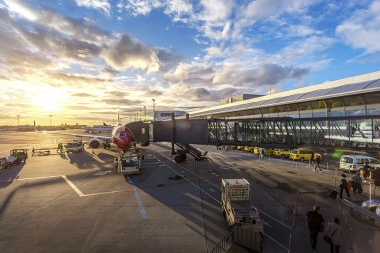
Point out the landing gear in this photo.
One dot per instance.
(107, 145)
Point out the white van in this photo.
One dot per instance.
(356, 162)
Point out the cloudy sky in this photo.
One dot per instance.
(77, 60)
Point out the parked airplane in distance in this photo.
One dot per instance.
(98, 128)
(121, 136)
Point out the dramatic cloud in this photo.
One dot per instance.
(183, 53)
(265, 74)
(102, 5)
(130, 53)
(362, 30)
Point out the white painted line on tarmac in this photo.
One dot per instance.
(32, 178)
(279, 244)
(73, 186)
(102, 193)
(137, 196)
(265, 223)
(273, 218)
(101, 173)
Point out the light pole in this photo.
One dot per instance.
(154, 110)
(18, 120)
(140, 115)
(144, 113)
(50, 119)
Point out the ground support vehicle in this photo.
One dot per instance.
(10, 161)
(21, 154)
(128, 163)
(3, 163)
(74, 147)
(242, 217)
(41, 151)
(356, 163)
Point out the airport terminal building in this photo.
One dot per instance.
(345, 112)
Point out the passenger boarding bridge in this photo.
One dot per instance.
(333, 114)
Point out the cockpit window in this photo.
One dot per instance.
(125, 134)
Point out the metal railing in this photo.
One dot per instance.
(222, 244)
(363, 212)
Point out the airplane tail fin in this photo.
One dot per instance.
(104, 124)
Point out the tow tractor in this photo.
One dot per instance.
(21, 154)
(128, 163)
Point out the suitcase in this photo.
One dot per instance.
(333, 194)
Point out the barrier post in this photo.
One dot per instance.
(351, 248)
(370, 186)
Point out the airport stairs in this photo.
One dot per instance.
(188, 149)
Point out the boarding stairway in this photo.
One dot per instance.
(188, 149)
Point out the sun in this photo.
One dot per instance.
(48, 100)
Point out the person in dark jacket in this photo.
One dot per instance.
(318, 163)
(343, 184)
(315, 224)
(366, 170)
(357, 183)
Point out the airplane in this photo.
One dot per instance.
(98, 128)
(121, 136)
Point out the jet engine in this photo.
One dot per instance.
(94, 143)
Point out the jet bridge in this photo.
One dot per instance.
(278, 132)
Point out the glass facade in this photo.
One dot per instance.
(351, 113)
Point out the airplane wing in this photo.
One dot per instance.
(103, 138)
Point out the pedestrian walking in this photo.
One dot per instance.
(366, 170)
(290, 211)
(315, 224)
(343, 184)
(318, 163)
(357, 183)
(335, 231)
(262, 154)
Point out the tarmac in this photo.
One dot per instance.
(78, 203)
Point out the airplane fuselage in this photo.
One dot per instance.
(100, 129)
(122, 137)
